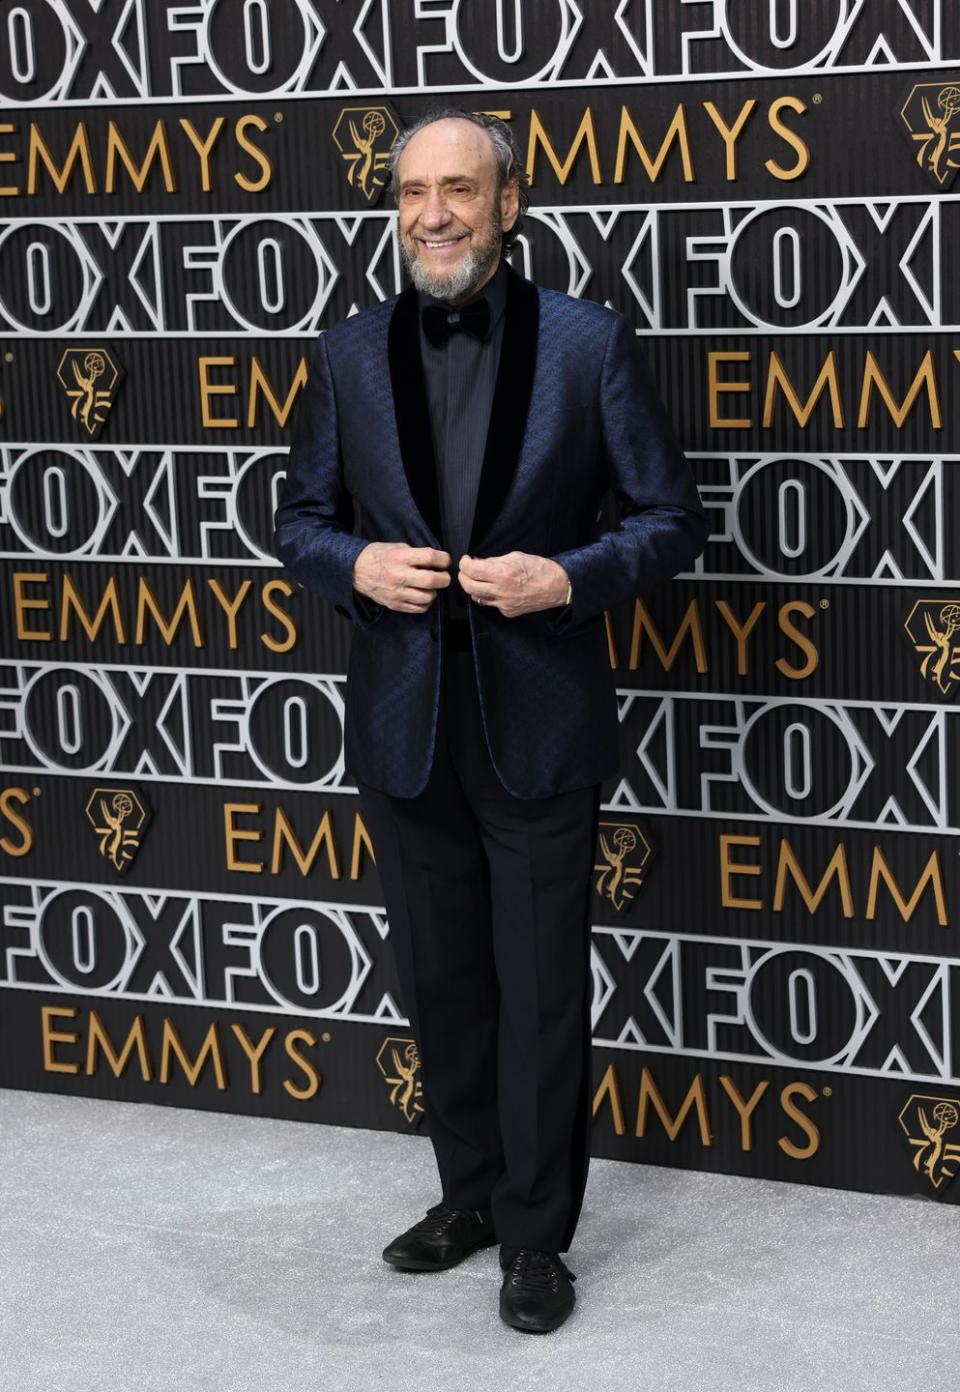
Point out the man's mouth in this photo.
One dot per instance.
(438, 243)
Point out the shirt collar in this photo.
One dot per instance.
(495, 292)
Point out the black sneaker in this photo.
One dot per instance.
(441, 1239)
(536, 1294)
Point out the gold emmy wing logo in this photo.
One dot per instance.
(89, 376)
(626, 853)
(926, 1121)
(931, 113)
(365, 135)
(933, 627)
(118, 817)
(399, 1062)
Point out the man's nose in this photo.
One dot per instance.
(435, 211)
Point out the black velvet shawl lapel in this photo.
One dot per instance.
(511, 401)
(508, 413)
(412, 409)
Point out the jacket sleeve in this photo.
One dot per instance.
(663, 526)
(313, 524)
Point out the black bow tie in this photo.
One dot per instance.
(439, 322)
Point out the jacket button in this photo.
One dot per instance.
(434, 631)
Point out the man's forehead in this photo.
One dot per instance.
(452, 146)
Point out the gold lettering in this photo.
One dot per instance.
(260, 382)
(803, 1121)
(230, 607)
(254, 1052)
(837, 866)
(610, 1089)
(585, 135)
(302, 1094)
(361, 839)
(880, 870)
(744, 1108)
(9, 157)
(79, 149)
(283, 832)
(259, 156)
(690, 623)
(209, 389)
(741, 633)
(715, 386)
(873, 377)
(50, 1037)
(173, 1044)
(676, 131)
(8, 797)
(731, 869)
(157, 148)
(233, 834)
(695, 1097)
(274, 644)
(790, 137)
(98, 1038)
(21, 602)
(203, 147)
(187, 604)
(70, 602)
(797, 606)
(777, 377)
(730, 134)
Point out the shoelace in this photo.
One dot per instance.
(534, 1270)
(438, 1219)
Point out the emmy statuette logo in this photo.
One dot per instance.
(118, 817)
(365, 135)
(399, 1062)
(931, 114)
(625, 855)
(933, 627)
(926, 1121)
(89, 377)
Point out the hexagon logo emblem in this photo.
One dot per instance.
(933, 627)
(365, 135)
(926, 1122)
(931, 115)
(119, 819)
(399, 1062)
(89, 377)
(625, 855)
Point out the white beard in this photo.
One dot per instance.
(472, 269)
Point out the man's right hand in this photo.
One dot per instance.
(400, 576)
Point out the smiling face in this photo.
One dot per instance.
(451, 215)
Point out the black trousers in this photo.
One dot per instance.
(488, 900)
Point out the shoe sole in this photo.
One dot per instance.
(411, 1264)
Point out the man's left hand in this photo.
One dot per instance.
(515, 583)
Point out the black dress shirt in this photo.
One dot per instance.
(460, 376)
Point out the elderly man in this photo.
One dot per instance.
(444, 488)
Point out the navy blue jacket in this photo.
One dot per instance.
(574, 413)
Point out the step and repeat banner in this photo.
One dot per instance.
(190, 192)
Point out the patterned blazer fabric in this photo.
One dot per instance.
(574, 413)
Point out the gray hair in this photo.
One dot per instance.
(506, 152)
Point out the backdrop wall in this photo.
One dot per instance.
(190, 908)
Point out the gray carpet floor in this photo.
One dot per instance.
(148, 1249)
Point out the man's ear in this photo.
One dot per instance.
(509, 204)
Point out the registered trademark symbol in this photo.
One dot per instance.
(828, 1092)
(8, 357)
(278, 116)
(36, 792)
(325, 1036)
(824, 604)
(817, 98)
